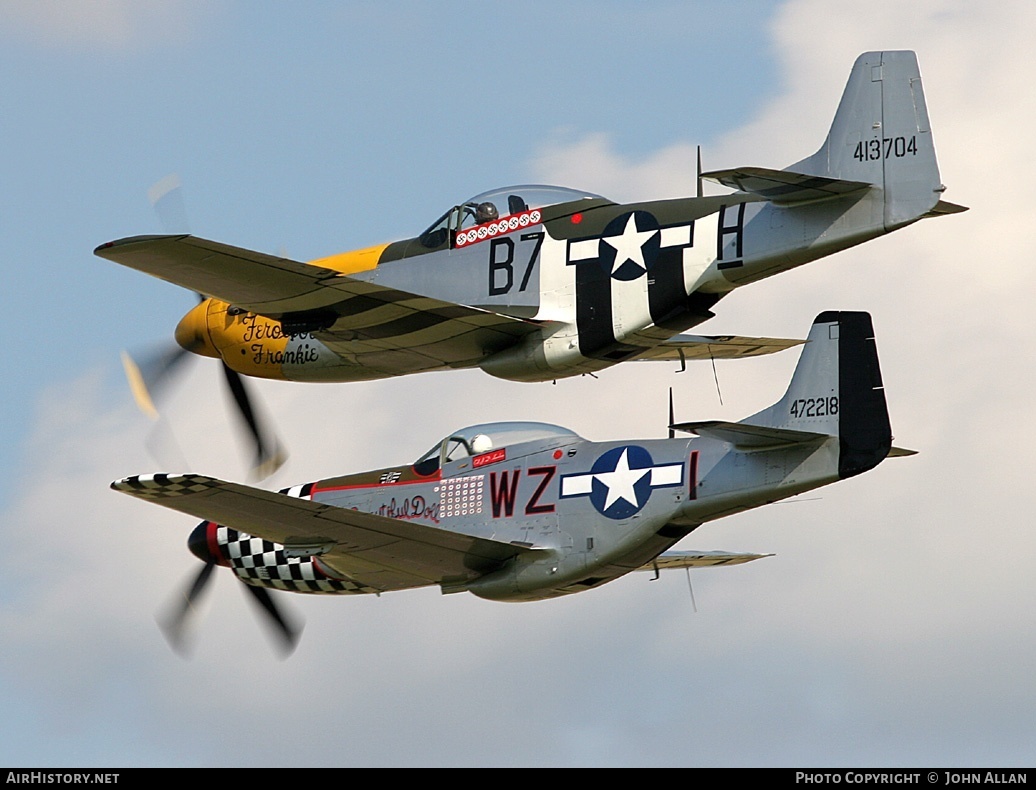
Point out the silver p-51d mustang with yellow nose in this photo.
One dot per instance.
(527, 511)
(538, 283)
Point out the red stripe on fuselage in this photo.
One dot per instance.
(430, 479)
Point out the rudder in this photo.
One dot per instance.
(864, 430)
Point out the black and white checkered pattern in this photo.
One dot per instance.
(262, 563)
(256, 561)
(163, 486)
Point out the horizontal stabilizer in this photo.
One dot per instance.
(900, 452)
(749, 437)
(784, 186)
(944, 207)
(684, 347)
(698, 559)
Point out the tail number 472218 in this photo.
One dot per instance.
(814, 407)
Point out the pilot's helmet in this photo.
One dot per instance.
(486, 212)
(481, 443)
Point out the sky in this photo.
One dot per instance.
(896, 625)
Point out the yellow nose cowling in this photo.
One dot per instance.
(192, 333)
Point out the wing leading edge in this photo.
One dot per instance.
(379, 552)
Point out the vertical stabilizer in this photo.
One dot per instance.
(881, 135)
(837, 390)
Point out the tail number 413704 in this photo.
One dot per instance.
(885, 148)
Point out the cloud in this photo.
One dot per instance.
(104, 25)
(903, 581)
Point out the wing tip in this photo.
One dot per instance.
(101, 249)
(162, 485)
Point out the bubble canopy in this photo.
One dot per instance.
(504, 202)
(478, 439)
(532, 195)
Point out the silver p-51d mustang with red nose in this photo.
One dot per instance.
(526, 511)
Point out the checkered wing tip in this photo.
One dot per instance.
(164, 486)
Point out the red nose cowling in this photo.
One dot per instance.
(203, 545)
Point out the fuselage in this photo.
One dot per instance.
(535, 283)
(598, 510)
(595, 283)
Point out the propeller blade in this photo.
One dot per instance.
(166, 197)
(150, 376)
(175, 625)
(286, 631)
(155, 372)
(269, 455)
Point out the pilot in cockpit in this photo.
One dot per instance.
(486, 212)
(481, 444)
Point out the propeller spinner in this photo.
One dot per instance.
(177, 623)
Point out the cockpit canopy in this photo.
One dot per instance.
(497, 204)
(480, 439)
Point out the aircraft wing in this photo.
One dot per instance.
(784, 186)
(684, 347)
(698, 559)
(377, 327)
(379, 552)
(265, 284)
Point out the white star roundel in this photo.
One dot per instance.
(621, 481)
(629, 245)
